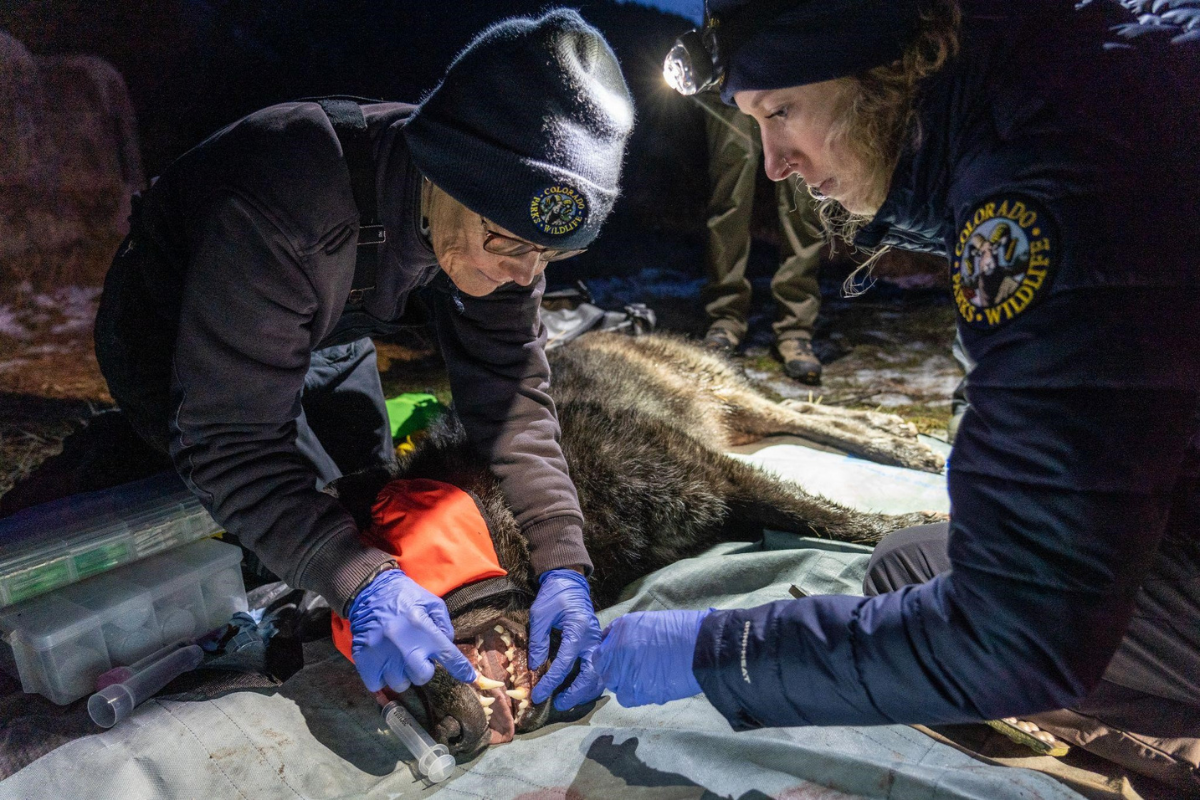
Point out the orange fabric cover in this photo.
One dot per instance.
(437, 535)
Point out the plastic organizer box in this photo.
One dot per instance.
(59, 643)
(56, 544)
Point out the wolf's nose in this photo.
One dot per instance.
(449, 732)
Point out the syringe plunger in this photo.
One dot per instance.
(433, 760)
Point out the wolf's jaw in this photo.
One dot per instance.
(501, 656)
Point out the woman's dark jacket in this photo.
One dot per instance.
(254, 233)
(1075, 469)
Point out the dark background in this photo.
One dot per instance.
(193, 66)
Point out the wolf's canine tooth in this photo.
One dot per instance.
(520, 693)
(487, 684)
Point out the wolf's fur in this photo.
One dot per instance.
(644, 423)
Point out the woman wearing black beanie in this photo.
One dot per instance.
(235, 322)
(1048, 151)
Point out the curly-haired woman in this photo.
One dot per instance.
(1069, 574)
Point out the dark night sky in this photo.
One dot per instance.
(194, 65)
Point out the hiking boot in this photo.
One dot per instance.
(799, 361)
(721, 340)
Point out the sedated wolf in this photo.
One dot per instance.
(644, 423)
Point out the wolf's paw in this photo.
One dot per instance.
(918, 455)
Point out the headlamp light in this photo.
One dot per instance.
(691, 64)
(698, 61)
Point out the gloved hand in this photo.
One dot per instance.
(398, 630)
(564, 601)
(645, 657)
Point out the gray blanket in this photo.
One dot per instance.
(319, 734)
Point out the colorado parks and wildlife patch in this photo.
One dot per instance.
(558, 210)
(1004, 259)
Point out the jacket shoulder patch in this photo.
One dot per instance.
(1004, 260)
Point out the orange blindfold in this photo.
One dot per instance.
(437, 535)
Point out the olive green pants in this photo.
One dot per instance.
(734, 153)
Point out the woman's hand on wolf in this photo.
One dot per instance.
(564, 601)
(645, 657)
(399, 631)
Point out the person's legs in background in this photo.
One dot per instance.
(734, 151)
(794, 286)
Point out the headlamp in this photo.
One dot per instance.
(699, 58)
(692, 64)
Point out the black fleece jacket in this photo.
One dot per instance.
(258, 227)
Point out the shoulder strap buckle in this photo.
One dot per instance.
(371, 235)
(346, 116)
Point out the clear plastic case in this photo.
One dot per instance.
(57, 544)
(60, 642)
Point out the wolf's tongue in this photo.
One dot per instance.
(501, 722)
(504, 664)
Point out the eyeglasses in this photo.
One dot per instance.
(502, 245)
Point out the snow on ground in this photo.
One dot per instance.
(10, 324)
(42, 324)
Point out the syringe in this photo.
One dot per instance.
(113, 703)
(433, 760)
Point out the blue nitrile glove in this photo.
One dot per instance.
(398, 630)
(564, 601)
(645, 657)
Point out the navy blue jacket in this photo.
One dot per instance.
(1058, 171)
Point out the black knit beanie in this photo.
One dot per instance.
(528, 129)
(773, 45)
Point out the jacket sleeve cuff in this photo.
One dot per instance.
(556, 543)
(340, 567)
(717, 659)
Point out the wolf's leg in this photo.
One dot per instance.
(879, 437)
(889, 423)
(759, 500)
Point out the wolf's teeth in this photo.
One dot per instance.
(479, 643)
(486, 701)
(508, 640)
(510, 653)
(487, 713)
(487, 684)
(521, 706)
(520, 693)
(511, 670)
(499, 629)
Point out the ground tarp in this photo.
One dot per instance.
(319, 735)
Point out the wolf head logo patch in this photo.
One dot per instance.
(558, 210)
(1003, 262)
